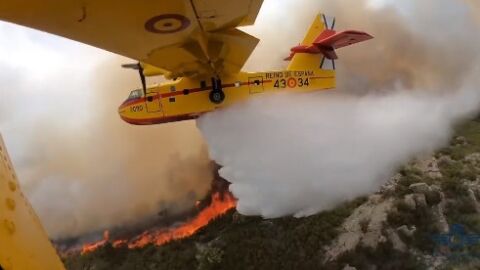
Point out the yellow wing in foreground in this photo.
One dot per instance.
(23, 242)
(181, 37)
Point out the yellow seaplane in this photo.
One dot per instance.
(194, 44)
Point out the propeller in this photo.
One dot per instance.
(139, 67)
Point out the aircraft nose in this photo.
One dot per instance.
(122, 110)
(125, 115)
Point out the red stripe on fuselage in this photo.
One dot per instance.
(158, 120)
(181, 93)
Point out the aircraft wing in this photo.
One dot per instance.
(180, 37)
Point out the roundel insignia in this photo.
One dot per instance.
(167, 24)
(292, 82)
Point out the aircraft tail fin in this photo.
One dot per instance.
(301, 61)
(318, 48)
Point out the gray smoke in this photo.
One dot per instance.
(81, 167)
(398, 97)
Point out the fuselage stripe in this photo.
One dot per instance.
(181, 93)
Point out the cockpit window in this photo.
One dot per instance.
(136, 94)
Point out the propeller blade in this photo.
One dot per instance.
(142, 78)
(139, 67)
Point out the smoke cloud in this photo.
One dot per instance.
(398, 97)
(81, 167)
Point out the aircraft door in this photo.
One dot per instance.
(154, 104)
(255, 84)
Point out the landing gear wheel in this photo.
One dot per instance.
(217, 96)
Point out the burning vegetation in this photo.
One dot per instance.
(166, 228)
(220, 204)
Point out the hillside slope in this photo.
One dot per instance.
(405, 225)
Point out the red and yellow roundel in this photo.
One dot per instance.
(167, 24)
(292, 83)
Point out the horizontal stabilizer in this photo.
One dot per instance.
(328, 41)
(342, 39)
(320, 44)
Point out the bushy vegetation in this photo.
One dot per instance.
(421, 218)
(408, 176)
(232, 242)
(384, 257)
(460, 208)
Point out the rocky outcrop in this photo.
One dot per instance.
(348, 267)
(459, 141)
(440, 221)
(473, 189)
(391, 184)
(473, 159)
(397, 243)
(366, 226)
(406, 231)
(409, 201)
(420, 200)
(429, 167)
(445, 160)
(419, 188)
(373, 213)
(473, 199)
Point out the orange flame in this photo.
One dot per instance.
(219, 206)
(92, 247)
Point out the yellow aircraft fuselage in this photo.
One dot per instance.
(188, 98)
(311, 68)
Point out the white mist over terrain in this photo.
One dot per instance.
(399, 96)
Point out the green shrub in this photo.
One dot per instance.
(383, 257)
(452, 170)
(453, 187)
(433, 197)
(249, 243)
(469, 173)
(403, 186)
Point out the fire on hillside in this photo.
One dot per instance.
(220, 204)
(162, 231)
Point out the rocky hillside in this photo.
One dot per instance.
(426, 217)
